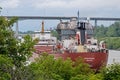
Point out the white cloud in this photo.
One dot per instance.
(63, 7)
(80, 4)
(9, 3)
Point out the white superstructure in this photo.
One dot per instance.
(45, 38)
(40, 35)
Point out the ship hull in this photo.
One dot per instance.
(40, 49)
(95, 59)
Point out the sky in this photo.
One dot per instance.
(87, 8)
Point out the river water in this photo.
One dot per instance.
(114, 56)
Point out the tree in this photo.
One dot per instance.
(100, 31)
(110, 31)
(81, 67)
(112, 72)
(113, 30)
(13, 50)
(44, 68)
(110, 34)
(97, 76)
(54, 33)
(112, 42)
(80, 77)
(10, 46)
(5, 67)
(48, 68)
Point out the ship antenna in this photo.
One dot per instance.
(78, 16)
(78, 19)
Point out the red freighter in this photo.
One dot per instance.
(75, 41)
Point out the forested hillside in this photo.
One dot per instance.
(110, 31)
(110, 34)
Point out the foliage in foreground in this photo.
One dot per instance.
(112, 72)
(47, 68)
(13, 53)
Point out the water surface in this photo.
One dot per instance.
(114, 56)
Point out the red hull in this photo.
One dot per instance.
(94, 59)
(40, 49)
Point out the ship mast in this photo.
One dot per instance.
(81, 29)
(78, 16)
(78, 26)
(42, 30)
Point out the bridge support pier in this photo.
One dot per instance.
(95, 23)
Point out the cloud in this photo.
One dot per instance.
(9, 3)
(81, 4)
(62, 7)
